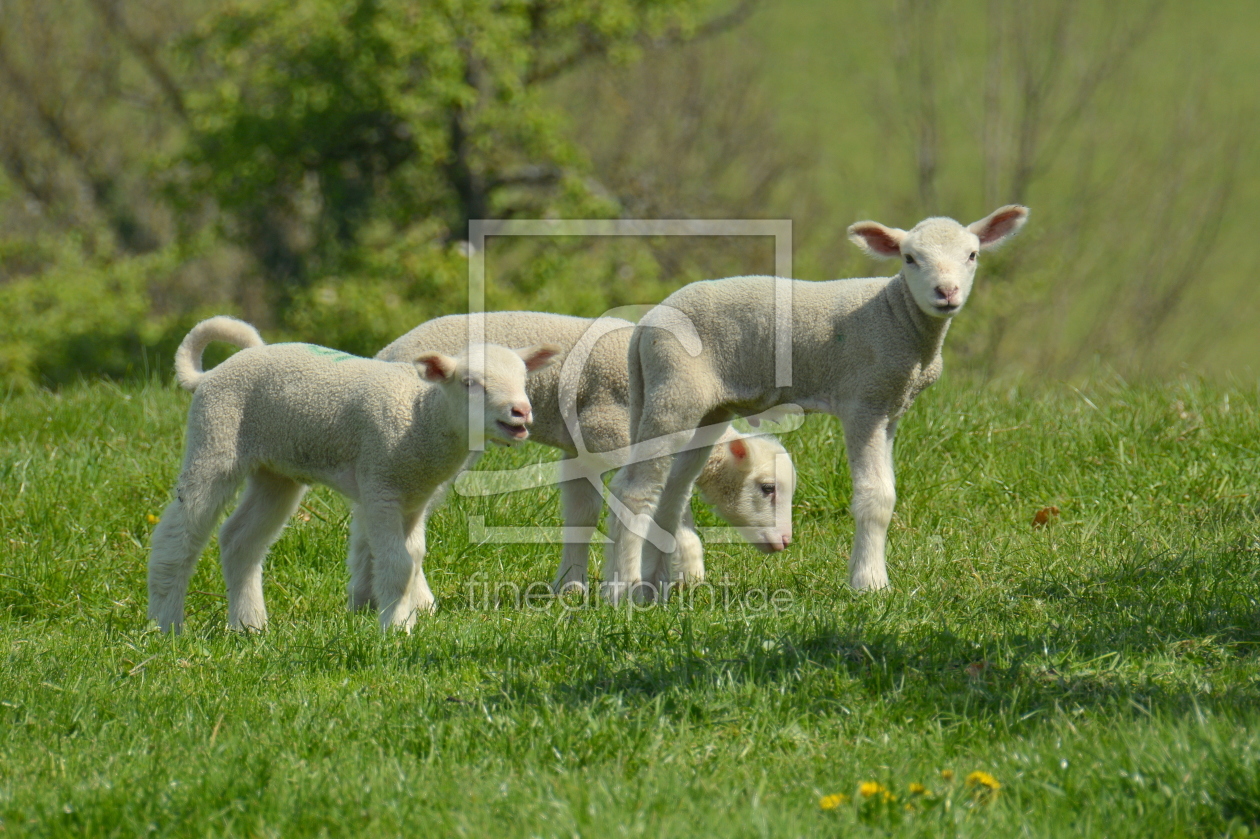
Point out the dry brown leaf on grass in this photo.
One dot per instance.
(1044, 516)
(976, 669)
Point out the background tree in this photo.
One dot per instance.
(312, 120)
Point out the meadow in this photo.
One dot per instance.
(1099, 671)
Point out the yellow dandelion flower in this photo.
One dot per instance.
(152, 519)
(947, 774)
(918, 789)
(869, 789)
(831, 802)
(983, 779)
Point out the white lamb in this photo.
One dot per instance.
(861, 350)
(581, 407)
(283, 416)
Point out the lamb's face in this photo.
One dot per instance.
(494, 376)
(754, 489)
(939, 255)
(939, 263)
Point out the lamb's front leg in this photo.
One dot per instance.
(868, 440)
(398, 582)
(582, 503)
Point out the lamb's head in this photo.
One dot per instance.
(939, 254)
(493, 376)
(750, 482)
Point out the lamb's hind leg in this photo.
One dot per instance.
(268, 502)
(686, 563)
(653, 489)
(633, 496)
(669, 515)
(179, 539)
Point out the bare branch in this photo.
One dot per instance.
(131, 233)
(110, 13)
(593, 46)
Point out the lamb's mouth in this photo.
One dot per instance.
(947, 308)
(516, 432)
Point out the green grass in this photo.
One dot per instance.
(1103, 668)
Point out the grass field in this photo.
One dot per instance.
(1101, 669)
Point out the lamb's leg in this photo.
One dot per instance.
(582, 503)
(675, 498)
(397, 544)
(635, 489)
(868, 440)
(686, 563)
(359, 561)
(179, 539)
(268, 502)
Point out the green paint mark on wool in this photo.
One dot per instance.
(327, 352)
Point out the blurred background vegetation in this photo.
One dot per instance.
(311, 165)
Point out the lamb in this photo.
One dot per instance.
(284, 416)
(861, 350)
(581, 408)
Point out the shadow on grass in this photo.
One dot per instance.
(1153, 632)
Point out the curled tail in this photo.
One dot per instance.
(635, 375)
(222, 328)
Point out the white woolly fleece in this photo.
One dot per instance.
(284, 416)
(861, 349)
(734, 483)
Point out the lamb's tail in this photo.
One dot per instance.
(222, 328)
(635, 373)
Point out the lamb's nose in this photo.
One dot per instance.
(521, 410)
(947, 293)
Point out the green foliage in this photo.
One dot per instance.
(84, 317)
(326, 115)
(318, 154)
(394, 286)
(1101, 669)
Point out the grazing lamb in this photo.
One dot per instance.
(861, 350)
(581, 407)
(284, 416)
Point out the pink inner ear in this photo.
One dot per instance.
(739, 449)
(540, 358)
(1001, 225)
(435, 367)
(878, 238)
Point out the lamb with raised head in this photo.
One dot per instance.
(581, 407)
(861, 350)
(283, 416)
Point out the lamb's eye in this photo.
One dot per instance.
(972, 258)
(910, 260)
(767, 489)
(470, 383)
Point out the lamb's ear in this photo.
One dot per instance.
(999, 225)
(435, 367)
(739, 452)
(539, 356)
(877, 240)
